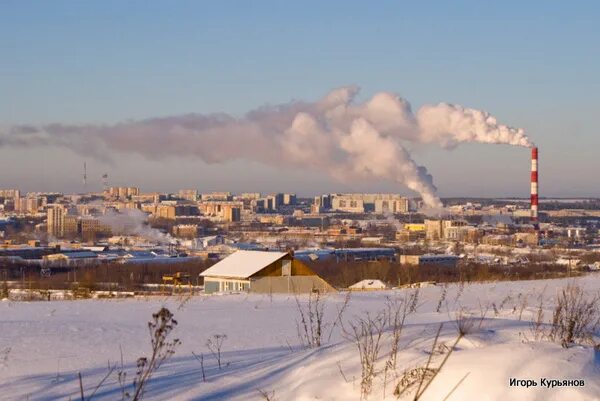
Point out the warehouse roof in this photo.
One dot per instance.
(243, 264)
(80, 254)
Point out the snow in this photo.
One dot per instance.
(243, 264)
(48, 343)
(368, 284)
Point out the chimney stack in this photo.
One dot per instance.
(534, 184)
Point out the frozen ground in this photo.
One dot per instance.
(43, 345)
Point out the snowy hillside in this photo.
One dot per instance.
(43, 346)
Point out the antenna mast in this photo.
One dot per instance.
(85, 175)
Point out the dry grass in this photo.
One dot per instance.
(267, 395)
(215, 344)
(4, 354)
(422, 377)
(160, 328)
(366, 333)
(576, 317)
(311, 327)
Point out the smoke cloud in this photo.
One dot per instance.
(133, 222)
(336, 135)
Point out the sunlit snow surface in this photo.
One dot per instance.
(50, 342)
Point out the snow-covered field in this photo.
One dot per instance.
(43, 346)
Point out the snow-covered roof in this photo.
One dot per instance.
(368, 284)
(243, 264)
(80, 254)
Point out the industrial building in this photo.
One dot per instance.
(362, 203)
(449, 230)
(421, 260)
(185, 230)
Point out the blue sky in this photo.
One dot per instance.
(532, 64)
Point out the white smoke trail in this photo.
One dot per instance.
(336, 135)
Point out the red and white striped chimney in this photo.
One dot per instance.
(534, 184)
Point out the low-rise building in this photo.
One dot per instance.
(421, 260)
(263, 272)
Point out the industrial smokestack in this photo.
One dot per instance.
(534, 184)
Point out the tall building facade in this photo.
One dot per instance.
(365, 203)
(55, 220)
(188, 194)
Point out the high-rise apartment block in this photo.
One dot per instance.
(362, 203)
(55, 220)
(123, 192)
(222, 210)
(188, 194)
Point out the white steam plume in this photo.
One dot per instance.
(133, 222)
(336, 135)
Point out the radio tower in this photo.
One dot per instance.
(85, 176)
(105, 182)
